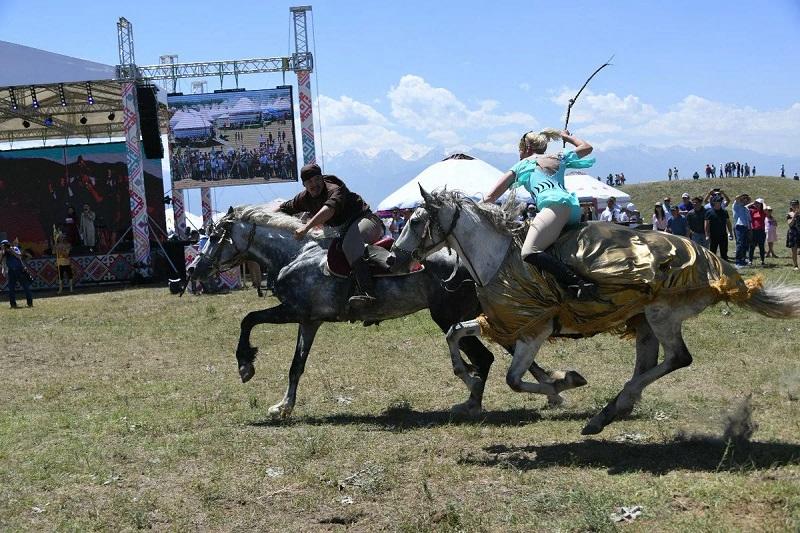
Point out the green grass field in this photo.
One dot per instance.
(123, 410)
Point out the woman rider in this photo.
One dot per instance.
(543, 177)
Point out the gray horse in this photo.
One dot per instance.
(310, 295)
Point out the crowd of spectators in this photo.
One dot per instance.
(271, 160)
(708, 222)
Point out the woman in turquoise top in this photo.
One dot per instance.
(542, 175)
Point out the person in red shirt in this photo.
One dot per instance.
(328, 201)
(757, 221)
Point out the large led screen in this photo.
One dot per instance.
(43, 189)
(232, 138)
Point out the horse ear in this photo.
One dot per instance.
(426, 196)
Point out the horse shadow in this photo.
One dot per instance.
(401, 418)
(697, 453)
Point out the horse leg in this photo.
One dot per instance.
(455, 335)
(245, 353)
(524, 353)
(559, 379)
(665, 326)
(306, 332)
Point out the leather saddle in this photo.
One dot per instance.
(377, 255)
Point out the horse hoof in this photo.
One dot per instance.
(466, 409)
(575, 379)
(556, 400)
(279, 412)
(592, 428)
(246, 372)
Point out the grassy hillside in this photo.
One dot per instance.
(777, 192)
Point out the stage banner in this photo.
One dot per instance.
(79, 190)
(139, 223)
(233, 137)
(207, 207)
(179, 212)
(306, 116)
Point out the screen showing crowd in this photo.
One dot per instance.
(232, 138)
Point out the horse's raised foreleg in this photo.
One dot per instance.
(306, 332)
(559, 379)
(245, 353)
(665, 327)
(457, 336)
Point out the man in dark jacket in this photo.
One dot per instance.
(328, 200)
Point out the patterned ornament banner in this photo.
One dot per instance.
(139, 221)
(306, 116)
(86, 270)
(230, 278)
(179, 212)
(205, 201)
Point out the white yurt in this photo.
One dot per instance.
(475, 178)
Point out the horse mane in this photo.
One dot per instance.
(504, 218)
(265, 215)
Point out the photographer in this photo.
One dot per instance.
(13, 268)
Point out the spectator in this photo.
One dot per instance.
(793, 233)
(624, 216)
(696, 220)
(397, 224)
(12, 266)
(696, 175)
(88, 235)
(758, 227)
(63, 263)
(742, 227)
(675, 173)
(771, 225)
(611, 212)
(783, 171)
(686, 204)
(659, 218)
(718, 227)
(667, 204)
(716, 192)
(796, 177)
(669, 175)
(677, 225)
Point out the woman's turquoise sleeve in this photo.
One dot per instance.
(572, 160)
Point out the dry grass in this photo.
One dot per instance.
(123, 411)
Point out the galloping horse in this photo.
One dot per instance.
(649, 283)
(310, 295)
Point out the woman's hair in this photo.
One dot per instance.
(656, 209)
(538, 141)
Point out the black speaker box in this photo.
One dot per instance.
(148, 122)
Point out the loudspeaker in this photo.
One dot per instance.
(148, 121)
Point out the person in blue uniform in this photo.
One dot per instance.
(542, 175)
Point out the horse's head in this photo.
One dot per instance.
(426, 231)
(226, 247)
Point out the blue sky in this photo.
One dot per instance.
(412, 76)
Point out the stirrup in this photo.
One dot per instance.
(583, 290)
(361, 300)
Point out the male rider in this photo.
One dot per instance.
(330, 202)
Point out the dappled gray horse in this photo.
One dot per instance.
(649, 282)
(310, 294)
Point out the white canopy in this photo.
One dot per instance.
(587, 188)
(475, 178)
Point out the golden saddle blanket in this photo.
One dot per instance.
(631, 268)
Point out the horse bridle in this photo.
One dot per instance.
(427, 232)
(239, 255)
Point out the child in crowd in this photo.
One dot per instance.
(62, 249)
(771, 224)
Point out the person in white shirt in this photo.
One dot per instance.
(611, 212)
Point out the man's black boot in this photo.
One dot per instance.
(364, 284)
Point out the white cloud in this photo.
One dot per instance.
(525, 86)
(692, 122)
(418, 105)
(347, 124)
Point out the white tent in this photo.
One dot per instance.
(475, 178)
(587, 188)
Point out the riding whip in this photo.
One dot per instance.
(573, 99)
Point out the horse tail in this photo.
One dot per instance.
(775, 300)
